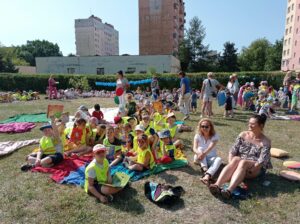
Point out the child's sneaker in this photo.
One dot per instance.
(26, 167)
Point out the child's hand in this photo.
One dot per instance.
(103, 199)
(38, 162)
(200, 156)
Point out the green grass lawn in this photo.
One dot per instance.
(35, 198)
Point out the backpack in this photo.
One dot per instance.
(162, 194)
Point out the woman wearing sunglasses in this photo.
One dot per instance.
(205, 141)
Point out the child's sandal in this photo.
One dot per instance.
(215, 190)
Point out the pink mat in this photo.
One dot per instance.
(16, 127)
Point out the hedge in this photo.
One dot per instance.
(39, 82)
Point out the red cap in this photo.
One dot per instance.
(117, 120)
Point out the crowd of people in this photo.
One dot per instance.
(144, 134)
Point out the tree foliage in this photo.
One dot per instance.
(228, 61)
(6, 64)
(38, 48)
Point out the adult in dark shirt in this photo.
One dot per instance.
(185, 95)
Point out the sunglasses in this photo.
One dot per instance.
(204, 127)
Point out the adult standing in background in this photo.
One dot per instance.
(233, 87)
(287, 81)
(52, 88)
(155, 85)
(123, 83)
(236, 87)
(209, 90)
(185, 94)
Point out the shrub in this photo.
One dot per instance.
(39, 82)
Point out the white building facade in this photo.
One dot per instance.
(93, 37)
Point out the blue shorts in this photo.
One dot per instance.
(194, 104)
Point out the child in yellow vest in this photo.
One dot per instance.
(97, 174)
(167, 150)
(50, 150)
(144, 159)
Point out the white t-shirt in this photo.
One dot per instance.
(203, 144)
(210, 88)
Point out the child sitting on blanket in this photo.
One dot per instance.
(100, 134)
(144, 159)
(79, 139)
(167, 151)
(97, 173)
(97, 113)
(50, 150)
(113, 144)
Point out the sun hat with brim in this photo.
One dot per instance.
(99, 148)
(45, 127)
(139, 128)
(164, 134)
(117, 119)
(171, 115)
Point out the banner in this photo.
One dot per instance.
(113, 84)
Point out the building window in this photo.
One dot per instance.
(288, 52)
(299, 61)
(290, 29)
(286, 31)
(297, 31)
(71, 70)
(295, 43)
(289, 40)
(283, 62)
(131, 70)
(284, 53)
(292, 17)
(294, 55)
(289, 9)
(293, 6)
(287, 20)
(100, 71)
(285, 41)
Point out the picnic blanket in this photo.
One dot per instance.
(62, 170)
(286, 117)
(34, 118)
(109, 113)
(16, 127)
(71, 170)
(10, 146)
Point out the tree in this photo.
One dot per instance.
(38, 48)
(228, 61)
(193, 54)
(255, 56)
(6, 64)
(274, 56)
(184, 53)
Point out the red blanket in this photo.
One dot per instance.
(60, 171)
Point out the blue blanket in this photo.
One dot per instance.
(77, 177)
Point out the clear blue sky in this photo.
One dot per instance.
(238, 21)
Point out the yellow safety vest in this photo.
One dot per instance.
(173, 130)
(142, 155)
(101, 173)
(47, 145)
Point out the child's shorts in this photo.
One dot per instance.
(194, 104)
(56, 158)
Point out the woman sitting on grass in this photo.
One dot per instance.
(205, 142)
(249, 157)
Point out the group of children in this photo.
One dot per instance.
(139, 138)
(8, 97)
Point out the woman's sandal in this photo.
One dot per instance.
(205, 181)
(215, 190)
(226, 194)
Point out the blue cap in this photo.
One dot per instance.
(164, 134)
(45, 126)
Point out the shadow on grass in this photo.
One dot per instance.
(126, 201)
(169, 178)
(278, 185)
(177, 205)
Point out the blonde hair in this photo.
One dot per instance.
(212, 131)
(210, 74)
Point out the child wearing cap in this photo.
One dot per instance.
(97, 174)
(144, 159)
(50, 149)
(167, 150)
